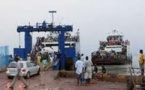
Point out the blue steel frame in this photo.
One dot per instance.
(44, 27)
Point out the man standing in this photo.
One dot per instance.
(79, 65)
(18, 75)
(28, 57)
(82, 57)
(88, 70)
(44, 62)
(141, 62)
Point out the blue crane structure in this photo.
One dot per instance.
(43, 27)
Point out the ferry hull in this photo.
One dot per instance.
(108, 61)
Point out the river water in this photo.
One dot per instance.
(122, 69)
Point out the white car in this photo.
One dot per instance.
(27, 69)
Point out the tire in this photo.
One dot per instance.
(28, 75)
(38, 73)
(9, 77)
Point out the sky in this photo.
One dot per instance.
(94, 18)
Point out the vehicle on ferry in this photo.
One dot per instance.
(114, 51)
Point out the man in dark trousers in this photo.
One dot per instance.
(141, 62)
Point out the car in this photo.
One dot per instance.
(28, 69)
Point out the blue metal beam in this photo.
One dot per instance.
(28, 43)
(43, 29)
(62, 49)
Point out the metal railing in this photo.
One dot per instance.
(134, 72)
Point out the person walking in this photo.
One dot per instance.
(88, 70)
(39, 57)
(44, 62)
(18, 75)
(79, 66)
(95, 70)
(28, 57)
(141, 62)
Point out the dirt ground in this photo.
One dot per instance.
(46, 81)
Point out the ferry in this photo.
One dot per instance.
(60, 45)
(50, 45)
(114, 51)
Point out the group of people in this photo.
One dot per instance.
(85, 70)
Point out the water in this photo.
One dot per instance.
(122, 69)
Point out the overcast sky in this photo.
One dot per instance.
(94, 18)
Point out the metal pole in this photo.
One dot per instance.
(19, 40)
(52, 16)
